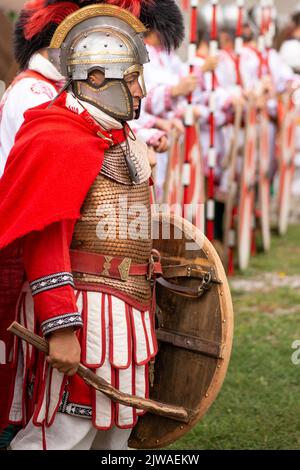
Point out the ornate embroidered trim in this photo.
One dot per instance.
(64, 402)
(63, 321)
(53, 281)
(73, 408)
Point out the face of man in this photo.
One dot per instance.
(132, 81)
(296, 33)
(226, 41)
(247, 33)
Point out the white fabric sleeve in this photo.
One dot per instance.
(27, 93)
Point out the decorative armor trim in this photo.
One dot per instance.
(53, 281)
(62, 321)
(124, 269)
(107, 265)
(103, 61)
(90, 12)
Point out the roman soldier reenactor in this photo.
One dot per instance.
(75, 224)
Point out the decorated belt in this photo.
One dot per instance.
(112, 267)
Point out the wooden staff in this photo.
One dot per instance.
(177, 413)
(265, 22)
(212, 155)
(239, 38)
(231, 242)
(271, 15)
(261, 47)
(189, 114)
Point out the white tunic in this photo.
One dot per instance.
(290, 53)
(26, 94)
(21, 96)
(163, 72)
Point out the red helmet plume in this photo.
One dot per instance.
(134, 6)
(41, 17)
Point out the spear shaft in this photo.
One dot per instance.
(189, 114)
(212, 154)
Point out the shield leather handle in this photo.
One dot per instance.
(177, 413)
(192, 292)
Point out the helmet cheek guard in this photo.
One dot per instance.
(112, 97)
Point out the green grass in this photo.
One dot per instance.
(284, 256)
(259, 404)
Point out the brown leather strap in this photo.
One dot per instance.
(195, 271)
(193, 292)
(112, 267)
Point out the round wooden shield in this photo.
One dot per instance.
(264, 179)
(286, 163)
(194, 327)
(247, 190)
